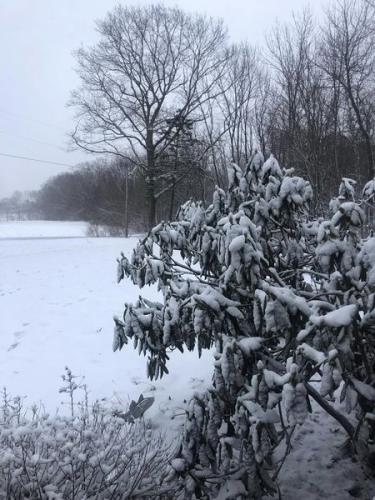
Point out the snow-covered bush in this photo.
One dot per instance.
(95, 230)
(93, 454)
(278, 297)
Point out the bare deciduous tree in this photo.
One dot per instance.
(349, 59)
(288, 48)
(150, 63)
(240, 86)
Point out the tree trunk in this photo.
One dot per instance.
(150, 181)
(171, 206)
(126, 210)
(362, 128)
(151, 202)
(175, 166)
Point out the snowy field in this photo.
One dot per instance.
(58, 295)
(42, 229)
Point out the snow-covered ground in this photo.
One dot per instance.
(58, 295)
(42, 229)
(319, 466)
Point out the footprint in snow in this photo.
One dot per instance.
(13, 346)
(196, 382)
(19, 334)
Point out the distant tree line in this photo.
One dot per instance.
(20, 206)
(108, 192)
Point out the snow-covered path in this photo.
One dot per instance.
(318, 467)
(57, 300)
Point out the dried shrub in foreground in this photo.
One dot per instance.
(92, 454)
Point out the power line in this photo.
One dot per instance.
(24, 117)
(31, 139)
(37, 160)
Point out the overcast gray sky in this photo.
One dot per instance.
(37, 38)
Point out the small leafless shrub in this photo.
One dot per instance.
(102, 231)
(90, 454)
